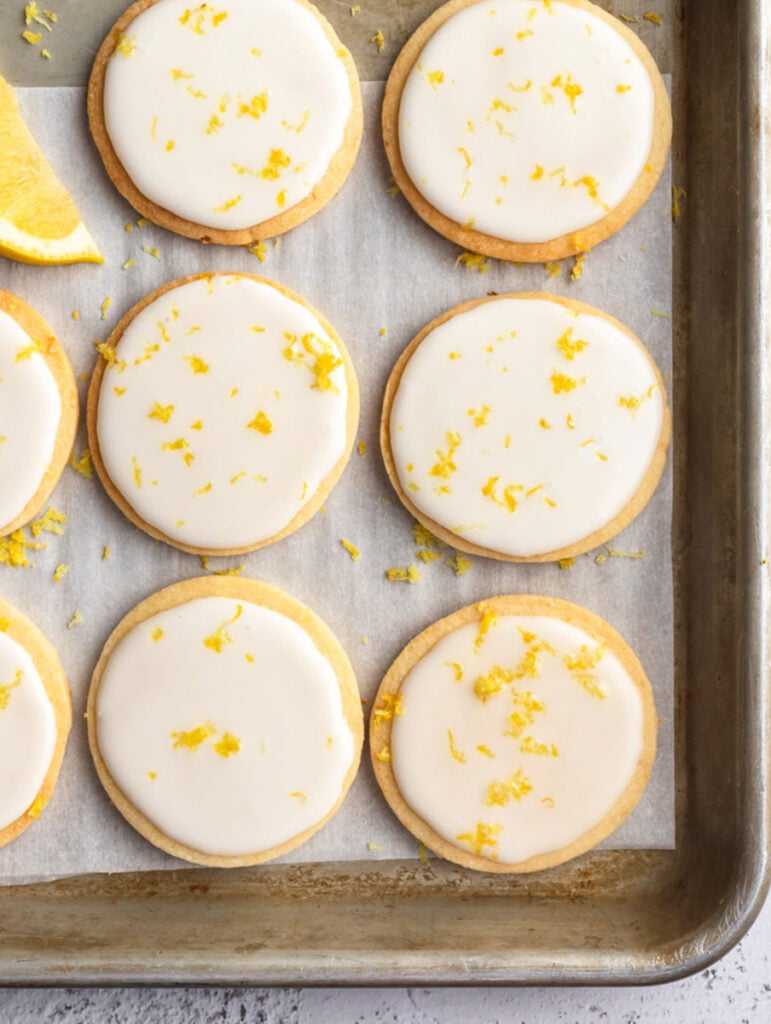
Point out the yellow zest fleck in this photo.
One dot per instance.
(568, 347)
(464, 153)
(6, 688)
(530, 666)
(488, 621)
(514, 788)
(105, 552)
(458, 755)
(489, 685)
(563, 384)
(220, 637)
(237, 477)
(45, 54)
(507, 500)
(197, 365)
(615, 553)
(498, 51)
(13, 550)
(384, 754)
(629, 19)
(571, 89)
(27, 351)
(566, 563)
(325, 359)
(76, 619)
(255, 108)
(60, 572)
(33, 13)
(126, 45)
(653, 18)
(129, 263)
(537, 173)
(32, 37)
(523, 35)
(457, 668)
(480, 416)
(161, 412)
(530, 746)
(136, 471)
(152, 776)
(156, 634)
(203, 490)
(473, 261)
(198, 425)
(592, 186)
(678, 193)
(227, 745)
(352, 551)
(177, 73)
(281, 199)
(391, 705)
(38, 805)
(361, 447)
(233, 392)
(548, 801)
(193, 738)
(82, 465)
(50, 522)
(435, 78)
(445, 467)
(379, 40)
(623, 88)
(235, 570)
(261, 423)
(581, 665)
(459, 564)
(408, 575)
(601, 457)
(355, 10)
(214, 125)
(544, 424)
(374, 846)
(578, 267)
(483, 835)
(660, 313)
(485, 750)
(258, 249)
(152, 251)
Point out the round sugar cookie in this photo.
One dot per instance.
(226, 122)
(224, 721)
(525, 427)
(222, 413)
(35, 719)
(38, 412)
(526, 129)
(514, 734)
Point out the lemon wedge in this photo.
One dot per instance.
(39, 221)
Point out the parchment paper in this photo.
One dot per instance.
(366, 262)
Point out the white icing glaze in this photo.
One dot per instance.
(251, 95)
(210, 390)
(473, 132)
(488, 375)
(27, 731)
(598, 741)
(283, 708)
(30, 411)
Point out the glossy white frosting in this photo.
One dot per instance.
(199, 98)
(27, 731)
(30, 411)
(526, 416)
(507, 87)
(202, 393)
(576, 750)
(262, 682)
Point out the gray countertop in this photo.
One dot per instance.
(736, 990)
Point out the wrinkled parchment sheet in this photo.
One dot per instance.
(367, 262)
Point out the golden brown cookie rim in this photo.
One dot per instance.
(572, 243)
(424, 642)
(256, 592)
(327, 485)
(322, 193)
(611, 529)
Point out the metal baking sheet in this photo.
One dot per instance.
(612, 916)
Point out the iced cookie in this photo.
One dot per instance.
(225, 122)
(38, 412)
(35, 719)
(526, 129)
(525, 427)
(514, 734)
(224, 721)
(221, 413)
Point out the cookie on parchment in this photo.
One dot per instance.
(514, 734)
(38, 412)
(225, 122)
(525, 427)
(526, 129)
(222, 412)
(35, 719)
(224, 720)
